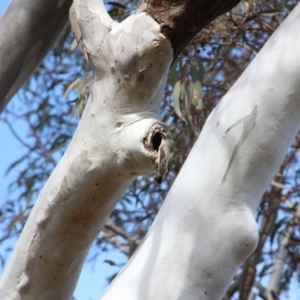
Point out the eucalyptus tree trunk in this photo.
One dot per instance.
(206, 228)
(119, 137)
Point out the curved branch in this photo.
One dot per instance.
(27, 32)
(205, 229)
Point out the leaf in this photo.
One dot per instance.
(197, 71)
(271, 12)
(241, 9)
(197, 95)
(73, 45)
(133, 247)
(182, 89)
(110, 262)
(176, 98)
(74, 84)
(119, 5)
(59, 143)
(264, 270)
(252, 5)
(15, 163)
(174, 73)
(275, 229)
(14, 222)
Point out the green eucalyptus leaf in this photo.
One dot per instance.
(174, 73)
(176, 98)
(15, 163)
(197, 71)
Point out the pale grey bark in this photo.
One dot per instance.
(111, 146)
(28, 30)
(206, 227)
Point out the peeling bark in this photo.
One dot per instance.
(181, 20)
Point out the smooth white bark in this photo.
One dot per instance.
(206, 229)
(131, 62)
(27, 32)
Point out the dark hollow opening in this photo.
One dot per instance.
(156, 141)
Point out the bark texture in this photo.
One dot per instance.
(28, 30)
(181, 20)
(206, 226)
(131, 62)
(113, 144)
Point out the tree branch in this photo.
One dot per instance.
(181, 20)
(281, 256)
(27, 32)
(206, 228)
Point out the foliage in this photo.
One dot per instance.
(54, 97)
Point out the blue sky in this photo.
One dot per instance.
(93, 278)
